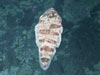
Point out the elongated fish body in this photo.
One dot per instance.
(48, 36)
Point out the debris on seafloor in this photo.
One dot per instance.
(48, 36)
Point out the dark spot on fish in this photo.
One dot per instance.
(44, 59)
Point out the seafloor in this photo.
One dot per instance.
(79, 52)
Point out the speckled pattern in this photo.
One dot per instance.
(79, 53)
(48, 36)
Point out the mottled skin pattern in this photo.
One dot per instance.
(48, 36)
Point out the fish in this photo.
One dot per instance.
(48, 34)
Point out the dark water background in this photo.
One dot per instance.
(79, 52)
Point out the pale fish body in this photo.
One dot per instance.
(48, 36)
